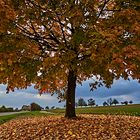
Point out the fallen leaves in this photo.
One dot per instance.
(84, 127)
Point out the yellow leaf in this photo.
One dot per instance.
(9, 62)
(70, 132)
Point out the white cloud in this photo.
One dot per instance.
(20, 97)
(121, 90)
(44, 97)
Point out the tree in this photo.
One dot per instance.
(91, 102)
(131, 102)
(53, 107)
(3, 109)
(82, 102)
(105, 104)
(35, 107)
(125, 102)
(56, 45)
(47, 107)
(115, 101)
(110, 101)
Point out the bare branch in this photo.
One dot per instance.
(102, 9)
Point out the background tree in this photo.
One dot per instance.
(53, 107)
(115, 101)
(56, 45)
(125, 102)
(110, 101)
(105, 103)
(6, 109)
(3, 109)
(82, 102)
(131, 102)
(47, 107)
(91, 102)
(35, 107)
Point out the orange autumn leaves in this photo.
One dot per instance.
(87, 127)
(51, 38)
(7, 14)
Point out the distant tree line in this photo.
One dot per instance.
(5, 109)
(91, 102)
(31, 107)
(81, 102)
(111, 101)
(36, 107)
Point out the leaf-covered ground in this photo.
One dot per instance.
(86, 127)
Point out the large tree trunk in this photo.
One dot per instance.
(70, 95)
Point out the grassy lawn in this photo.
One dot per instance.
(133, 110)
(5, 118)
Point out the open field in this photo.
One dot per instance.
(133, 110)
(6, 118)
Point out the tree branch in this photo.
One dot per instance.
(60, 23)
(38, 39)
(102, 9)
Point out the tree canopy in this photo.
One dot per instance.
(82, 102)
(91, 102)
(53, 44)
(115, 101)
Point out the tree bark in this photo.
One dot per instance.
(70, 95)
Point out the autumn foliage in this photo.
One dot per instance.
(58, 44)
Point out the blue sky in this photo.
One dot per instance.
(121, 90)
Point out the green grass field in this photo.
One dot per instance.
(133, 110)
(6, 118)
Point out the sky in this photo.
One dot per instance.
(121, 90)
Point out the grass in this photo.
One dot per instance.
(133, 110)
(6, 118)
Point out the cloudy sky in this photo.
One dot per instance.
(121, 90)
